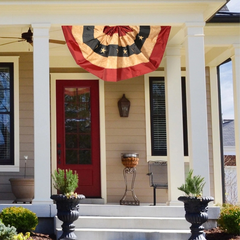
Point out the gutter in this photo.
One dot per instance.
(225, 17)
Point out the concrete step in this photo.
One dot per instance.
(119, 222)
(131, 211)
(127, 234)
(92, 201)
(153, 223)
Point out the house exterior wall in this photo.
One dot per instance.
(127, 135)
(25, 124)
(122, 134)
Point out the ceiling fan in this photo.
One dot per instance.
(28, 37)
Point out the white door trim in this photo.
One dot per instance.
(80, 76)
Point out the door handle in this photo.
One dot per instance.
(59, 153)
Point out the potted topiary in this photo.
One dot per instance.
(67, 201)
(196, 206)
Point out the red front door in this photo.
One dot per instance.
(78, 145)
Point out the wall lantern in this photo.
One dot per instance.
(123, 106)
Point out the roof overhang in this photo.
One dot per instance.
(17, 16)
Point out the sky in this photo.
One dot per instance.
(234, 5)
(226, 91)
(226, 76)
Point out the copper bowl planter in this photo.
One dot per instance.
(23, 189)
(130, 160)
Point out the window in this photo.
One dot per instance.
(158, 116)
(6, 114)
(9, 139)
(184, 114)
(156, 120)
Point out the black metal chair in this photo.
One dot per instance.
(157, 176)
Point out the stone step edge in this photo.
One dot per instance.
(125, 217)
(127, 230)
(128, 218)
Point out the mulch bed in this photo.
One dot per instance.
(39, 236)
(212, 234)
(218, 234)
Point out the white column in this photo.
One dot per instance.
(42, 174)
(196, 103)
(174, 124)
(217, 165)
(236, 99)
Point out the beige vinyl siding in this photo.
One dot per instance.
(127, 135)
(122, 134)
(25, 124)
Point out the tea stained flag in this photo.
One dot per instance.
(115, 53)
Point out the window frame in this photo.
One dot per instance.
(149, 155)
(15, 61)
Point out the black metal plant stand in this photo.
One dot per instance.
(132, 199)
(196, 213)
(67, 212)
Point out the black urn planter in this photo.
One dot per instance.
(196, 213)
(67, 212)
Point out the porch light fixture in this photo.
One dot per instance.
(123, 106)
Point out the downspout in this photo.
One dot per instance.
(221, 132)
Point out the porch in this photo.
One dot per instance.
(195, 49)
(119, 222)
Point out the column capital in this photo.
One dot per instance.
(173, 51)
(235, 50)
(199, 24)
(194, 29)
(41, 25)
(41, 30)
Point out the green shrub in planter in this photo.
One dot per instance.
(193, 185)
(65, 181)
(7, 232)
(21, 218)
(229, 219)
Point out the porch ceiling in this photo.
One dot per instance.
(18, 16)
(124, 12)
(217, 44)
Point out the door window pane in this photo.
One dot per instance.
(77, 125)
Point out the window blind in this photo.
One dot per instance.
(6, 114)
(158, 116)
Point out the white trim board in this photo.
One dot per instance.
(15, 61)
(80, 76)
